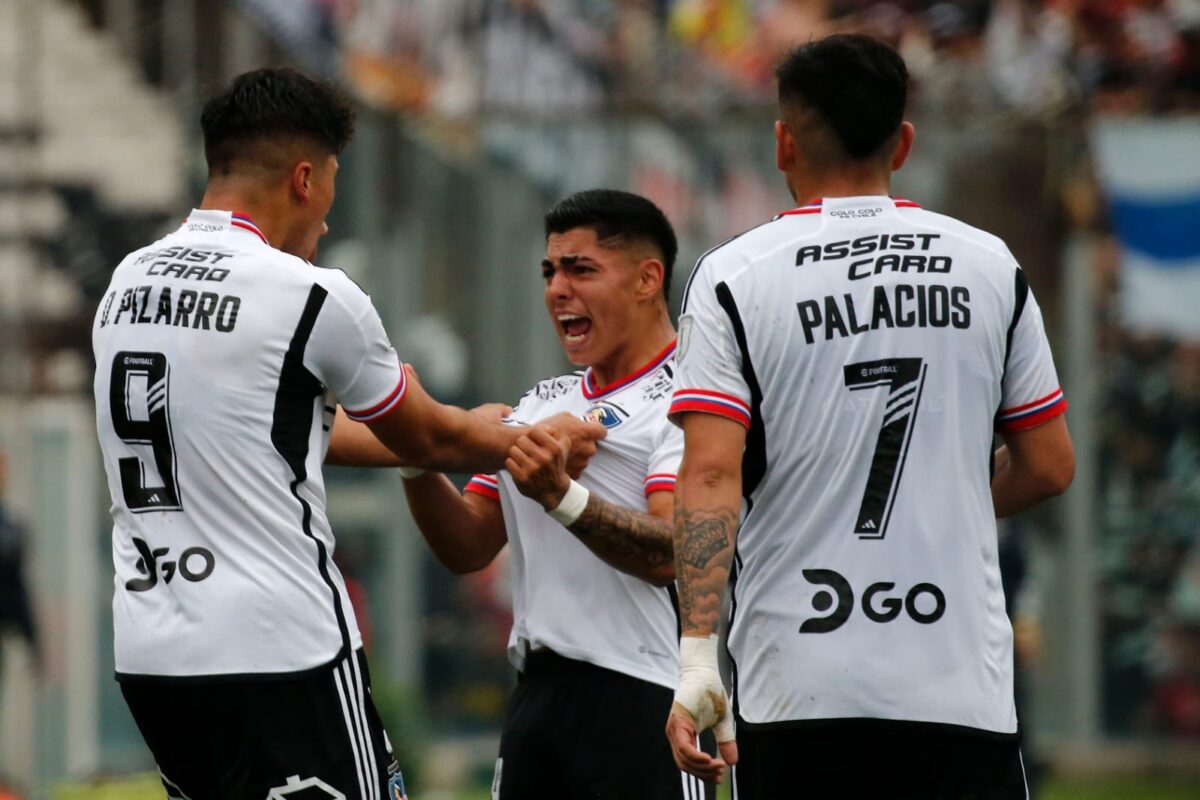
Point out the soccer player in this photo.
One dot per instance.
(595, 625)
(842, 369)
(220, 355)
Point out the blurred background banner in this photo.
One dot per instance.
(1150, 172)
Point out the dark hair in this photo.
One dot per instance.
(621, 216)
(857, 85)
(262, 107)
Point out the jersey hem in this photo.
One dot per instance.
(232, 677)
(881, 725)
(611, 664)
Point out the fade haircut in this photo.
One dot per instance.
(265, 113)
(856, 86)
(619, 220)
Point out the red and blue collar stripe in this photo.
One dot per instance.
(592, 392)
(812, 208)
(245, 223)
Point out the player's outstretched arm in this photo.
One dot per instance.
(1032, 466)
(708, 500)
(351, 444)
(464, 531)
(424, 433)
(635, 542)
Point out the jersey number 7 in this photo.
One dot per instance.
(138, 395)
(904, 379)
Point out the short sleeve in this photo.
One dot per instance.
(349, 352)
(1031, 394)
(664, 461)
(486, 485)
(708, 361)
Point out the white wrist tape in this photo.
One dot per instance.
(410, 472)
(700, 690)
(571, 506)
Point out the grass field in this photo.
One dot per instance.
(1057, 789)
(1123, 789)
(147, 787)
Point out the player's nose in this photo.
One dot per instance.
(558, 286)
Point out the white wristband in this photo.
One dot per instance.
(408, 473)
(571, 506)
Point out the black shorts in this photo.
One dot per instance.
(874, 759)
(315, 735)
(575, 731)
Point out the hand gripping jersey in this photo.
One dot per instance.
(871, 348)
(218, 363)
(564, 597)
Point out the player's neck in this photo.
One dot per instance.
(805, 189)
(239, 199)
(640, 349)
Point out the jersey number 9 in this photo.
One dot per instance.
(138, 401)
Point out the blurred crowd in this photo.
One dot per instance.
(1150, 511)
(697, 57)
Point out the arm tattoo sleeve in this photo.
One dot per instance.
(703, 555)
(629, 540)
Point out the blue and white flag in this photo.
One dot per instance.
(1150, 172)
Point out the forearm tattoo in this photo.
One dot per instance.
(624, 537)
(703, 554)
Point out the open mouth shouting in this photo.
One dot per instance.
(574, 327)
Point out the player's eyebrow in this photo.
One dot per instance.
(567, 261)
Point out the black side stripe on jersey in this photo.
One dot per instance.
(754, 462)
(290, 428)
(734, 573)
(1020, 298)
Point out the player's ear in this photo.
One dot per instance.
(904, 145)
(650, 277)
(302, 180)
(785, 147)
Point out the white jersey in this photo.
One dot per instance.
(871, 348)
(218, 363)
(564, 597)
